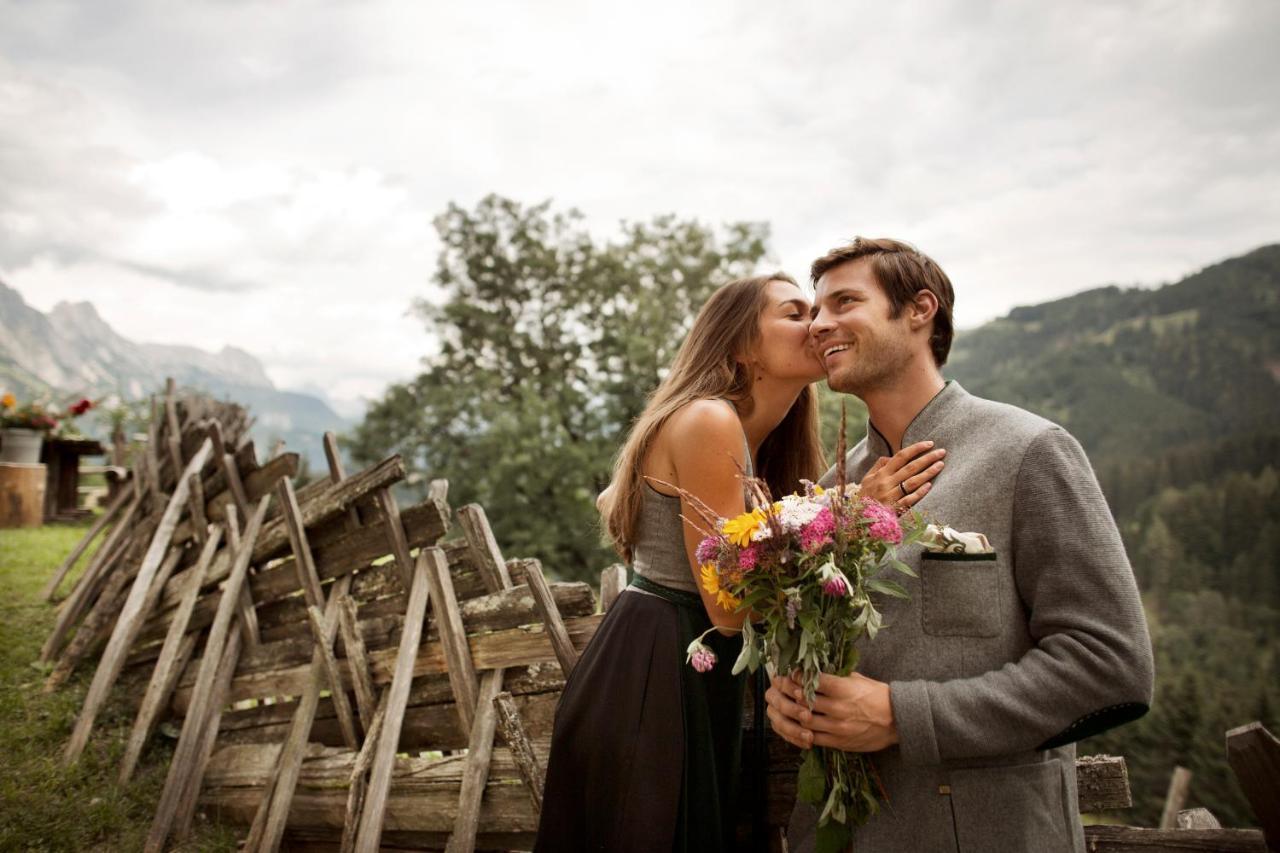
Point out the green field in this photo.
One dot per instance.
(44, 806)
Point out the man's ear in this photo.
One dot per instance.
(922, 308)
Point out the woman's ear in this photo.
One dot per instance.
(923, 306)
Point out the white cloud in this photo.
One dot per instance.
(265, 174)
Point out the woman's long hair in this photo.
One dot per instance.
(707, 368)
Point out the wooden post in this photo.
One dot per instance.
(131, 614)
(78, 598)
(613, 581)
(323, 636)
(475, 773)
(453, 635)
(517, 740)
(336, 475)
(229, 470)
(304, 563)
(546, 602)
(1179, 782)
(359, 780)
(191, 740)
(395, 535)
(475, 524)
(1254, 756)
(1197, 819)
(438, 490)
(103, 520)
(370, 835)
(357, 659)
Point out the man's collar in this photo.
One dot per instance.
(926, 421)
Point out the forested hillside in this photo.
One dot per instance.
(1173, 392)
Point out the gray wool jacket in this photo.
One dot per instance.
(998, 666)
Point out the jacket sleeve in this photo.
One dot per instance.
(1090, 668)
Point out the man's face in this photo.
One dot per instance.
(860, 346)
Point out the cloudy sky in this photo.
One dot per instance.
(265, 174)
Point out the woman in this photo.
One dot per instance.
(644, 754)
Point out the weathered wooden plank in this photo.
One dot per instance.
(1174, 800)
(1197, 819)
(158, 690)
(1128, 839)
(453, 635)
(376, 798)
(514, 733)
(1102, 783)
(476, 775)
(191, 739)
(95, 628)
(499, 649)
(357, 659)
(304, 563)
(199, 522)
(324, 642)
(82, 591)
(613, 581)
(335, 499)
(185, 810)
(396, 538)
(565, 652)
(1254, 756)
(484, 547)
(359, 780)
(113, 509)
(131, 614)
(337, 474)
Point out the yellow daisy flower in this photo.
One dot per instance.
(727, 600)
(710, 578)
(739, 529)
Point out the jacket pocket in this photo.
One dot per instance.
(1021, 807)
(961, 594)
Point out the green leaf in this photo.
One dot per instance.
(833, 837)
(873, 622)
(811, 781)
(888, 587)
(900, 566)
(744, 659)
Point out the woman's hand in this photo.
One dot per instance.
(902, 479)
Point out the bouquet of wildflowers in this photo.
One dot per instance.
(809, 567)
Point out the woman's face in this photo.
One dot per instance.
(784, 350)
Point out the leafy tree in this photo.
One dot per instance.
(549, 341)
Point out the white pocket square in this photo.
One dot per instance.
(945, 540)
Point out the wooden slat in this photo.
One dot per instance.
(78, 599)
(1179, 782)
(117, 503)
(395, 535)
(1102, 783)
(476, 774)
(191, 739)
(304, 563)
(613, 581)
(131, 614)
(357, 659)
(324, 642)
(359, 779)
(100, 621)
(158, 692)
(515, 735)
(453, 636)
(1128, 839)
(1254, 756)
(493, 568)
(375, 807)
(229, 470)
(185, 810)
(337, 474)
(565, 652)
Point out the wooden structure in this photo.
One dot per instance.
(62, 457)
(325, 655)
(344, 676)
(22, 487)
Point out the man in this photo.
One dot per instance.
(972, 697)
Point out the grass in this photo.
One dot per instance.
(43, 805)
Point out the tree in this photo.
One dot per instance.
(550, 341)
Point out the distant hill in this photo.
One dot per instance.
(1134, 371)
(72, 350)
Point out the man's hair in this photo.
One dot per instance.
(903, 271)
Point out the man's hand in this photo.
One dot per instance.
(851, 713)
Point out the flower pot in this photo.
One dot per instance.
(21, 445)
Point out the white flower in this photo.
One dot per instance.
(795, 511)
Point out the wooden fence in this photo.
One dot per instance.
(340, 676)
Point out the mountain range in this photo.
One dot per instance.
(73, 351)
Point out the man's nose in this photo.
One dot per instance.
(820, 326)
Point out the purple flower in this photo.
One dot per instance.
(884, 522)
(700, 655)
(707, 550)
(793, 608)
(817, 533)
(748, 558)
